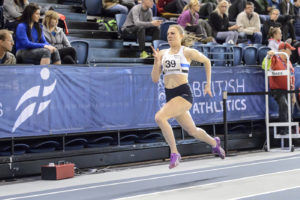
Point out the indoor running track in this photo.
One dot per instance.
(246, 176)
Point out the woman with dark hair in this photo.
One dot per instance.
(12, 12)
(56, 37)
(31, 45)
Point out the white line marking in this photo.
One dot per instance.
(272, 191)
(209, 184)
(149, 179)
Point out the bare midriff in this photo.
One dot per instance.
(174, 80)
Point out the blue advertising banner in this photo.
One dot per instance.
(42, 100)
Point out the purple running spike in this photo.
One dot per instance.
(174, 160)
(218, 149)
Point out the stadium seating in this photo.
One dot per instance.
(93, 7)
(164, 29)
(150, 137)
(101, 141)
(19, 149)
(237, 55)
(156, 43)
(262, 52)
(250, 55)
(76, 144)
(219, 55)
(129, 139)
(44, 146)
(82, 50)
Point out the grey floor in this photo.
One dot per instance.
(245, 176)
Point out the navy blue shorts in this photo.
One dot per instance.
(183, 91)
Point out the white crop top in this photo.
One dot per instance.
(175, 63)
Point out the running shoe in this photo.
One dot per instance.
(174, 160)
(218, 150)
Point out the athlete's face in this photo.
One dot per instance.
(174, 37)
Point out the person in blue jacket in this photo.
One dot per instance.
(31, 45)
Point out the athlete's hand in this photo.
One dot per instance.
(207, 90)
(156, 54)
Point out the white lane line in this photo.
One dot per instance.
(204, 185)
(148, 179)
(263, 193)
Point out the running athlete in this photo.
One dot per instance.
(174, 63)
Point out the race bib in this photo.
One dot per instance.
(172, 64)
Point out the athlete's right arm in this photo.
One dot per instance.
(156, 70)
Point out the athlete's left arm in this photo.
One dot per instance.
(193, 54)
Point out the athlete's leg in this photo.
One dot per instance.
(175, 107)
(186, 122)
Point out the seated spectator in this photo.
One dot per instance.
(274, 3)
(261, 6)
(283, 21)
(207, 7)
(139, 23)
(171, 6)
(274, 38)
(114, 7)
(6, 45)
(297, 16)
(286, 8)
(249, 24)
(57, 38)
(128, 3)
(31, 45)
(220, 24)
(189, 19)
(237, 6)
(12, 12)
(297, 8)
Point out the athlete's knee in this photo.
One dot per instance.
(159, 118)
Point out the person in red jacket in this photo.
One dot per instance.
(279, 83)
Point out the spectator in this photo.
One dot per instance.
(279, 83)
(114, 7)
(274, 38)
(189, 19)
(207, 7)
(249, 24)
(31, 45)
(297, 8)
(128, 3)
(287, 28)
(56, 37)
(286, 7)
(12, 12)
(171, 6)
(297, 17)
(261, 6)
(237, 6)
(220, 24)
(274, 3)
(139, 23)
(6, 45)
